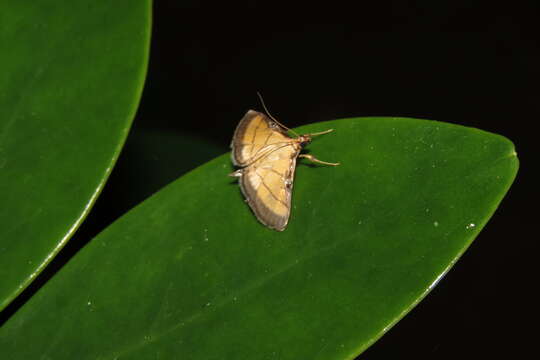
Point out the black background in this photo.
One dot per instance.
(463, 62)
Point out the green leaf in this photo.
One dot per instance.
(72, 75)
(191, 274)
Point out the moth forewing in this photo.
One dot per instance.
(254, 133)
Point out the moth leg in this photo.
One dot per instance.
(321, 133)
(315, 160)
(237, 173)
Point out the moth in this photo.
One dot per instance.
(267, 156)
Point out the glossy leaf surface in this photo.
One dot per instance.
(72, 74)
(191, 274)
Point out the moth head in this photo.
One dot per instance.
(304, 140)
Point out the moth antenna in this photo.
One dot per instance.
(273, 118)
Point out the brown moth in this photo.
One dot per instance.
(267, 155)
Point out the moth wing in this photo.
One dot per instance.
(267, 185)
(256, 135)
